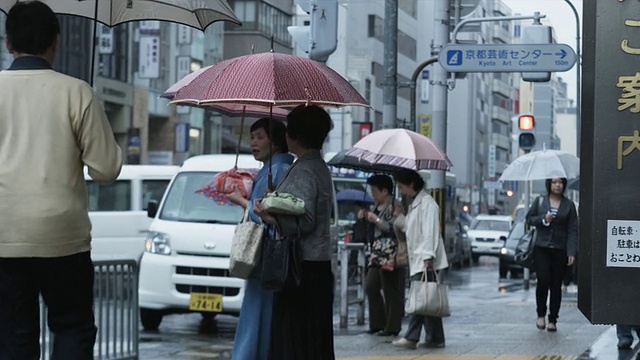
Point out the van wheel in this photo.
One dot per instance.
(151, 319)
(475, 258)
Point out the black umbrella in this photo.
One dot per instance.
(574, 184)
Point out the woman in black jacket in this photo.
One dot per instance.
(556, 222)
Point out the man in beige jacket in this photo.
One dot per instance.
(51, 126)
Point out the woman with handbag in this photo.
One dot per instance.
(383, 275)
(426, 253)
(302, 325)
(556, 222)
(254, 326)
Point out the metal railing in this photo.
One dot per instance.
(116, 312)
(352, 273)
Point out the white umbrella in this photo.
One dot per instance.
(543, 164)
(198, 14)
(194, 13)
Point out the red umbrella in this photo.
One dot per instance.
(269, 79)
(225, 108)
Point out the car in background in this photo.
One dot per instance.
(508, 251)
(485, 233)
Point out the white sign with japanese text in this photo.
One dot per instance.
(623, 243)
(105, 40)
(149, 61)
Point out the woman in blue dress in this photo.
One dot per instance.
(254, 326)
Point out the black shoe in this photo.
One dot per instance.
(552, 327)
(624, 344)
(434, 345)
(388, 333)
(373, 331)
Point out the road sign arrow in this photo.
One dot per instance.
(562, 53)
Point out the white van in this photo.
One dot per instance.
(118, 210)
(185, 266)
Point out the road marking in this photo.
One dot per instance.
(460, 357)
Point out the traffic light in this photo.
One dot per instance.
(320, 38)
(509, 193)
(526, 140)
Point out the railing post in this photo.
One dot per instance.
(344, 286)
(361, 293)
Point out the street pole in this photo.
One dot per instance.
(526, 275)
(389, 90)
(439, 98)
(412, 94)
(578, 86)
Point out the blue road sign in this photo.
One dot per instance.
(507, 57)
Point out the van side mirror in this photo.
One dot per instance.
(503, 238)
(152, 208)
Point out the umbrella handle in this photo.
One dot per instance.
(240, 137)
(94, 42)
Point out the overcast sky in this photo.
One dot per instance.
(561, 17)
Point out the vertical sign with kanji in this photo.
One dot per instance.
(609, 238)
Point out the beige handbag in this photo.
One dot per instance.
(428, 298)
(245, 247)
(402, 254)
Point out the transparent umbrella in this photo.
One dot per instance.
(543, 164)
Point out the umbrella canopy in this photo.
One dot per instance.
(194, 13)
(400, 148)
(342, 160)
(228, 109)
(269, 79)
(543, 164)
(352, 195)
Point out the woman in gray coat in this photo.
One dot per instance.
(302, 322)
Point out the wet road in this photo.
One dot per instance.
(491, 319)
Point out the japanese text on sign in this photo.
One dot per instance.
(623, 243)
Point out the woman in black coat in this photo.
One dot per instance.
(556, 222)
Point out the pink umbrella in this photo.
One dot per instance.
(269, 79)
(402, 148)
(224, 108)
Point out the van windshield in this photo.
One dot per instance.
(184, 204)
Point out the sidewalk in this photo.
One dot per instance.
(490, 324)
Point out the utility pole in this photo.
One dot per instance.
(439, 98)
(390, 90)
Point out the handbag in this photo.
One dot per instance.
(428, 298)
(402, 254)
(383, 253)
(245, 247)
(283, 203)
(280, 261)
(524, 253)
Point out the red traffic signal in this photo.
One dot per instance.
(526, 122)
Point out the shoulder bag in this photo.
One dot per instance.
(524, 253)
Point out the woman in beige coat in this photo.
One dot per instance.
(426, 252)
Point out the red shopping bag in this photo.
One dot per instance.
(225, 182)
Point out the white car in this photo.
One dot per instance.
(487, 234)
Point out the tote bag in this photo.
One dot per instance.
(428, 298)
(246, 246)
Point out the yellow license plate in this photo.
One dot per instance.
(205, 302)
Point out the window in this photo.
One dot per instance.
(409, 6)
(246, 12)
(75, 46)
(152, 190)
(376, 27)
(407, 45)
(114, 65)
(112, 197)
(184, 203)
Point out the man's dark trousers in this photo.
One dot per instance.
(66, 286)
